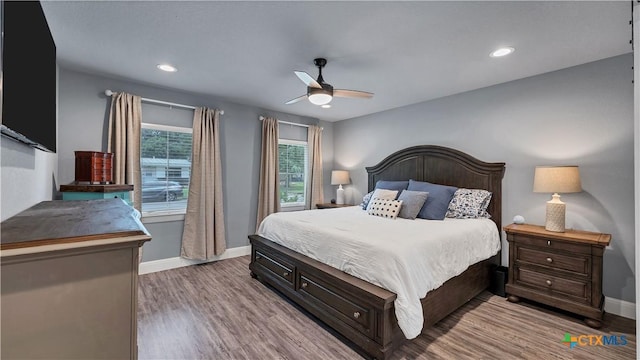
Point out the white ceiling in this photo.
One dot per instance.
(404, 52)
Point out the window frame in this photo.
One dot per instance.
(170, 214)
(297, 205)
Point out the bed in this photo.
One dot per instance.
(358, 310)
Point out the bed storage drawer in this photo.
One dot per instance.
(359, 311)
(340, 304)
(278, 267)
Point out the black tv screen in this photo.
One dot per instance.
(28, 75)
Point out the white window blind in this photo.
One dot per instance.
(165, 161)
(292, 158)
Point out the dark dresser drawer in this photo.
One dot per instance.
(553, 245)
(343, 306)
(554, 260)
(556, 286)
(278, 267)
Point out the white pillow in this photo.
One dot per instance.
(385, 208)
(383, 194)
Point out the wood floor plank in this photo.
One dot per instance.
(209, 312)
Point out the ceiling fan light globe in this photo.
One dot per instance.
(320, 99)
(320, 96)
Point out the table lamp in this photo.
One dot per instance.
(556, 179)
(339, 177)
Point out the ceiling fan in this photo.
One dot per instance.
(321, 93)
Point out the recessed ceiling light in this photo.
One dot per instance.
(325, 106)
(503, 51)
(167, 68)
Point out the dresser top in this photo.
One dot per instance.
(578, 236)
(58, 221)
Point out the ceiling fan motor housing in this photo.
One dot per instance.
(326, 89)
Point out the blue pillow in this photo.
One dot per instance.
(392, 185)
(437, 204)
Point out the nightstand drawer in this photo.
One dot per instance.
(578, 264)
(556, 285)
(553, 244)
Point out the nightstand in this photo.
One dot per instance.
(563, 270)
(331, 206)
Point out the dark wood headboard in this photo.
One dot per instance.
(446, 166)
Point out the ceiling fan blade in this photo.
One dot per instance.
(352, 94)
(307, 79)
(293, 101)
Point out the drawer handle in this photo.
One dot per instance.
(549, 260)
(356, 314)
(305, 284)
(548, 242)
(285, 274)
(549, 282)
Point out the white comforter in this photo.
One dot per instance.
(407, 257)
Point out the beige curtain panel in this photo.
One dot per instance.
(269, 191)
(315, 185)
(203, 236)
(125, 118)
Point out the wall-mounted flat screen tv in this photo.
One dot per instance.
(29, 89)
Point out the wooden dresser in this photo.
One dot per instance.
(563, 270)
(69, 272)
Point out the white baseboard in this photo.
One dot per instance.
(620, 307)
(148, 267)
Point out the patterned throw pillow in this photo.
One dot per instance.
(384, 208)
(383, 194)
(365, 200)
(469, 204)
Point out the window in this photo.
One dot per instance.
(165, 161)
(292, 158)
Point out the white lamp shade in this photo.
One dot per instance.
(557, 179)
(339, 177)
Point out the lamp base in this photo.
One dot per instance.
(555, 215)
(340, 195)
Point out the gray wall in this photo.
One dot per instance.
(581, 115)
(83, 114)
(28, 177)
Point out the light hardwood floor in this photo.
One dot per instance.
(209, 312)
